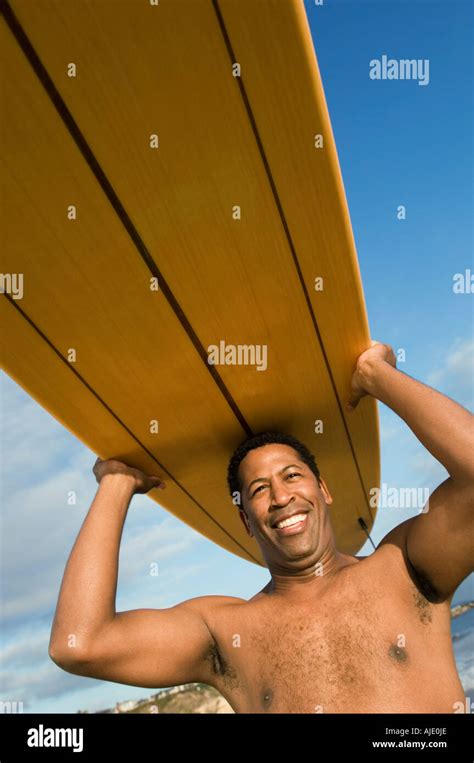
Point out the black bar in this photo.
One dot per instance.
(219, 736)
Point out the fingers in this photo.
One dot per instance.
(354, 401)
(150, 483)
(114, 466)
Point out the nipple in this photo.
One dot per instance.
(267, 697)
(398, 653)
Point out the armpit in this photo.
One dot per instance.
(423, 584)
(398, 538)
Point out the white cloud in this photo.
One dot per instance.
(456, 373)
(39, 527)
(32, 441)
(28, 673)
(30, 645)
(42, 681)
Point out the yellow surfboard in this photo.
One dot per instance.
(172, 196)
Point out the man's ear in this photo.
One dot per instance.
(324, 488)
(244, 519)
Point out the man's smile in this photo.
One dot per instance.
(297, 523)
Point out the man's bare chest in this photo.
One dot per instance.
(359, 644)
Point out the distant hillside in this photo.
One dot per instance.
(188, 698)
(460, 609)
(193, 698)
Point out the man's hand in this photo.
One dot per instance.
(142, 482)
(377, 353)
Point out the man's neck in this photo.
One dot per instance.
(310, 581)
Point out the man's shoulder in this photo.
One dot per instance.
(394, 545)
(207, 606)
(397, 536)
(386, 558)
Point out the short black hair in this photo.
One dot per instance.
(265, 438)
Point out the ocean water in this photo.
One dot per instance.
(462, 631)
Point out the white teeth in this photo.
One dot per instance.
(291, 520)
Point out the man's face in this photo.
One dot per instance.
(275, 483)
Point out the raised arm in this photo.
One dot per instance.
(142, 647)
(440, 541)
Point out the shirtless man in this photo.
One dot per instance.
(330, 632)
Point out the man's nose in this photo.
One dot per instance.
(280, 495)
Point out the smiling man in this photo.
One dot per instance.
(330, 632)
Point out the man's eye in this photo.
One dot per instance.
(293, 474)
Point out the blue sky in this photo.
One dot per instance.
(399, 143)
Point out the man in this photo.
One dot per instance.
(330, 632)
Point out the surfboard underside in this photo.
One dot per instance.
(171, 184)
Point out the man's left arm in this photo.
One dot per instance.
(440, 541)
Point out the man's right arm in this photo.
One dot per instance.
(142, 647)
(155, 648)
